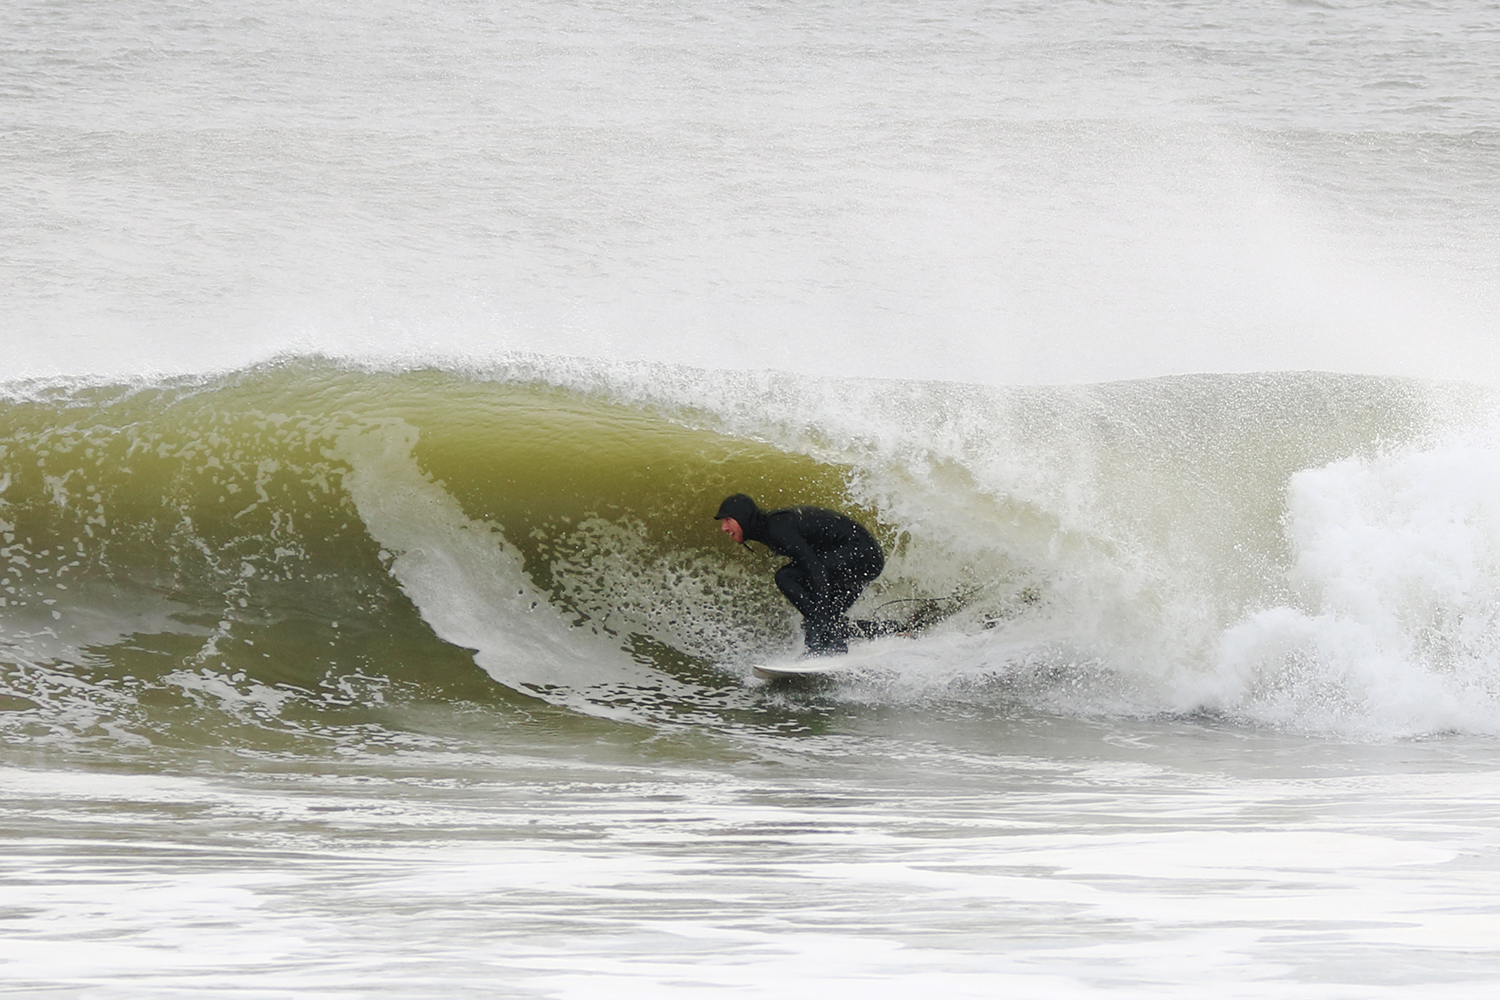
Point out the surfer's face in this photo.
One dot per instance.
(732, 528)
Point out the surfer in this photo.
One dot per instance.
(833, 557)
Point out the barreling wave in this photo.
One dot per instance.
(260, 551)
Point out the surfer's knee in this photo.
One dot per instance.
(792, 583)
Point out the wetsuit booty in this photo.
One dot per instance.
(866, 628)
(824, 638)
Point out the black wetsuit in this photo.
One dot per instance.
(833, 557)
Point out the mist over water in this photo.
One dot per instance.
(997, 193)
(369, 376)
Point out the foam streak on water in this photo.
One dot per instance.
(1132, 872)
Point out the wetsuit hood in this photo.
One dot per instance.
(742, 509)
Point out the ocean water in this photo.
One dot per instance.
(370, 376)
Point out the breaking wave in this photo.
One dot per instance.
(257, 553)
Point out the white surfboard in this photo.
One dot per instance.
(822, 666)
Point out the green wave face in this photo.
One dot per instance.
(566, 477)
(165, 544)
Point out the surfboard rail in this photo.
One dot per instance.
(802, 667)
(821, 667)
